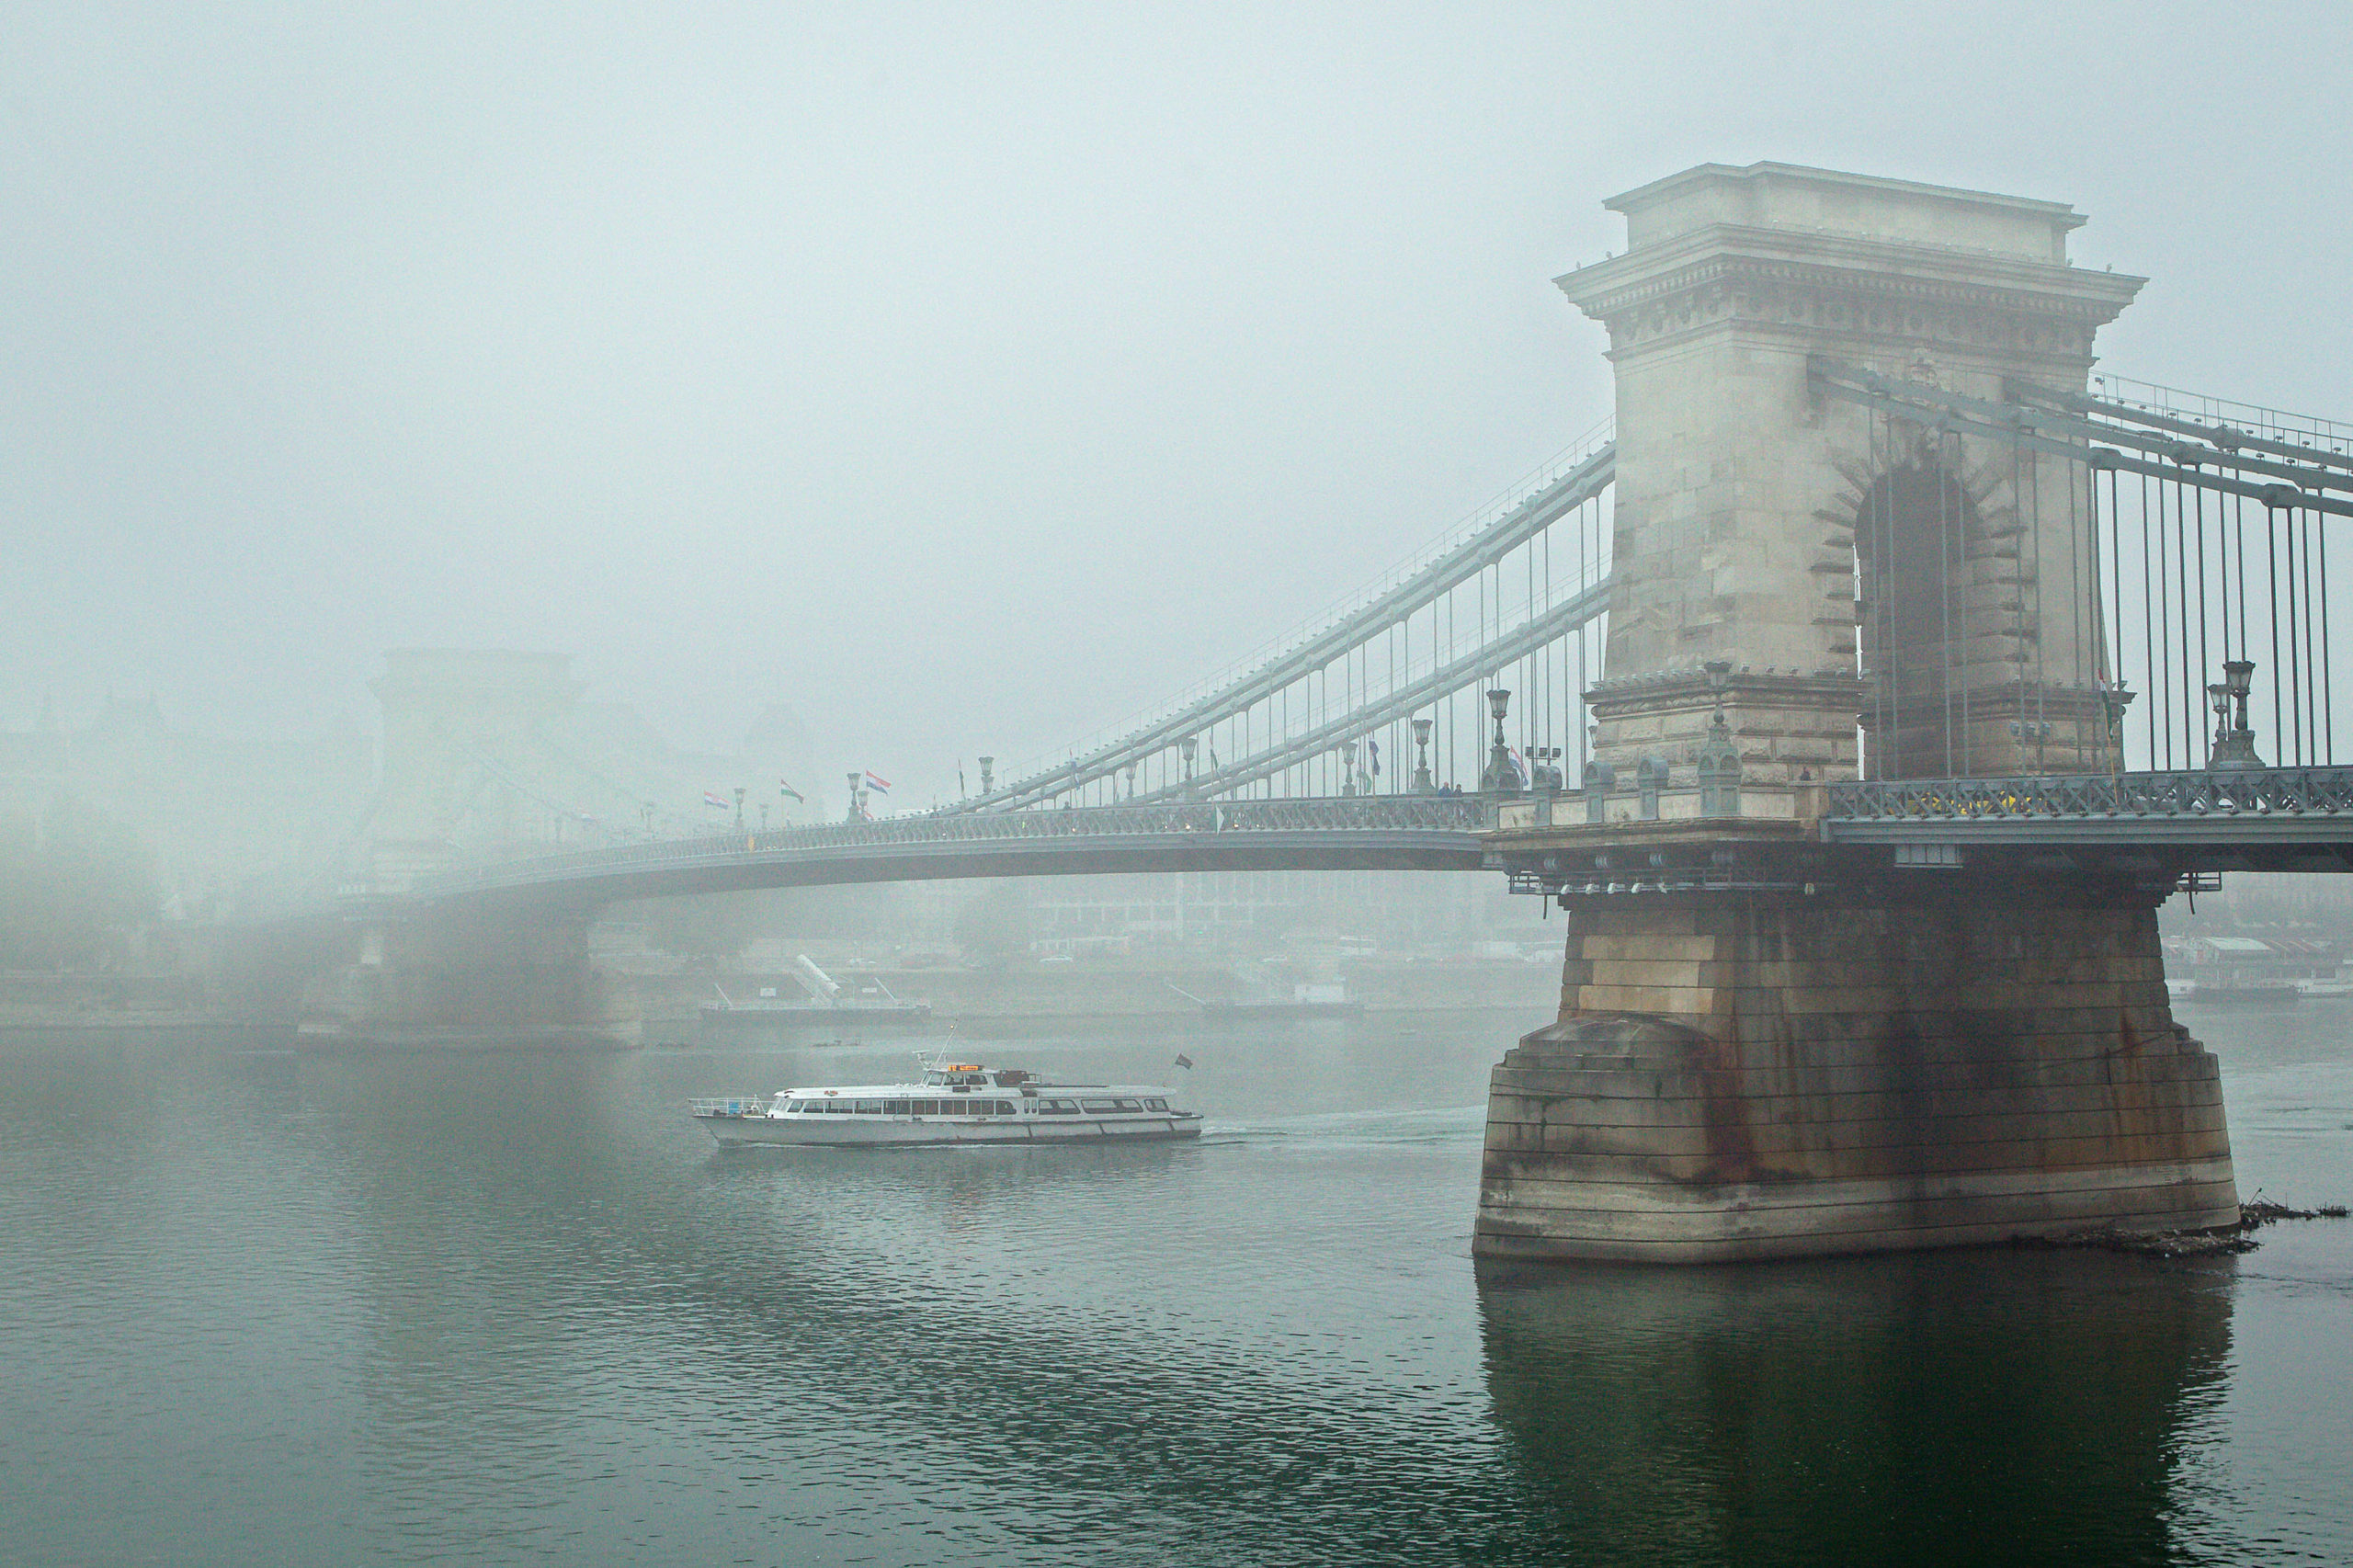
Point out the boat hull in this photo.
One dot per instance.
(871, 1133)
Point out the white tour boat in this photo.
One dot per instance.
(955, 1103)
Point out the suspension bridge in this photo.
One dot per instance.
(2166, 574)
(1859, 695)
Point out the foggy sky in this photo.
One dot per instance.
(969, 378)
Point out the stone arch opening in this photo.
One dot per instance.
(1914, 529)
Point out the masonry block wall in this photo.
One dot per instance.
(1783, 1075)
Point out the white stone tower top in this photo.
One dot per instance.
(1862, 207)
(1738, 488)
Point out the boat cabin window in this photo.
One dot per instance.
(895, 1107)
(1057, 1108)
(926, 1107)
(1155, 1105)
(1100, 1107)
(870, 1107)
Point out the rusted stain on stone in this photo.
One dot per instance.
(1732, 1144)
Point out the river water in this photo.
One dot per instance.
(257, 1307)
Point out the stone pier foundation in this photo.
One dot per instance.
(452, 977)
(1741, 1076)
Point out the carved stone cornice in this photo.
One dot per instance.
(1691, 689)
(1776, 281)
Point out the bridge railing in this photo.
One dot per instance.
(2210, 792)
(1408, 813)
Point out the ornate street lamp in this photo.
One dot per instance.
(1718, 765)
(1719, 671)
(1501, 777)
(1422, 785)
(739, 808)
(2112, 701)
(854, 812)
(2233, 739)
(1187, 749)
(988, 774)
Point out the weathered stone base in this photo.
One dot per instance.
(1739, 1077)
(451, 976)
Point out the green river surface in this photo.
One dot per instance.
(515, 1308)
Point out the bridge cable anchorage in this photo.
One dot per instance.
(1429, 585)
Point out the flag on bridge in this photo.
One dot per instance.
(1372, 748)
(1184, 1062)
(710, 799)
(784, 788)
(875, 782)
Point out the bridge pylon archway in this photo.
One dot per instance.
(1760, 524)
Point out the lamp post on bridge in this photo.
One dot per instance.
(2113, 698)
(988, 775)
(1422, 785)
(2234, 738)
(854, 812)
(1501, 777)
(1187, 749)
(739, 808)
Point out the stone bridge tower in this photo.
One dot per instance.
(1749, 510)
(1781, 1047)
(452, 716)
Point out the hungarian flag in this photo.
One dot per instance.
(787, 789)
(875, 782)
(710, 799)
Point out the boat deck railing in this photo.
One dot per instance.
(731, 1105)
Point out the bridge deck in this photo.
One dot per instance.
(1371, 833)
